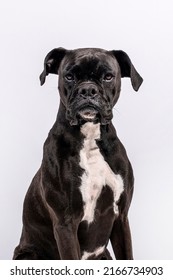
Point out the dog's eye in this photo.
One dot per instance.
(69, 77)
(108, 77)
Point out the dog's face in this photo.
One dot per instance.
(89, 84)
(89, 81)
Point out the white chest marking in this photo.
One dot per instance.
(97, 172)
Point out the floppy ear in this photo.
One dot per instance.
(52, 62)
(127, 69)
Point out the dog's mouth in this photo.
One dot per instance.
(88, 113)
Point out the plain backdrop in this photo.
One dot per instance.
(144, 120)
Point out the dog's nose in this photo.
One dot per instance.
(88, 90)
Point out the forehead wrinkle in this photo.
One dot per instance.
(84, 59)
(90, 52)
(89, 67)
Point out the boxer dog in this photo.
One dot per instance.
(80, 196)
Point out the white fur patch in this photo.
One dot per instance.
(97, 172)
(97, 252)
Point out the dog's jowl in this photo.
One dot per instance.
(80, 197)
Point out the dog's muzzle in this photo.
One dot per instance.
(86, 104)
(89, 110)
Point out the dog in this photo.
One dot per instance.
(80, 197)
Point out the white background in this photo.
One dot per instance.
(144, 120)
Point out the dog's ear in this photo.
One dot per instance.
(127, 69)
(52, 62)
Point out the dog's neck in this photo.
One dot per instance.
(91, 131)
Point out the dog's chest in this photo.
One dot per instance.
(97, 173)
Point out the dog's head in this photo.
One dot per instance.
(89, 81)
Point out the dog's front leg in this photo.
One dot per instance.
(64, 224)
(121, 239)
(67, 242)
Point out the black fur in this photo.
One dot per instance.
(53, 206)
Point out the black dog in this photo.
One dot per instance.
(80, 196)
